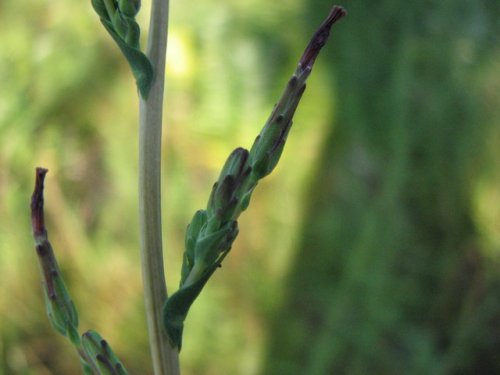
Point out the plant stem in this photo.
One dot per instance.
(165, 358)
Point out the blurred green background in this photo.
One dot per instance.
(374, 247)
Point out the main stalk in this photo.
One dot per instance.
(165, 357)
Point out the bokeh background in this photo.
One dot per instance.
(374, 247)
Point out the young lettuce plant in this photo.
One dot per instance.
(212, 231)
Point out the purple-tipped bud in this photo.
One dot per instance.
(224, 199)
(37, 218)
(320, 37)
(235, 163)
(100, 353)
(58, 302)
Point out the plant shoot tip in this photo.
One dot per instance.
(320, 38)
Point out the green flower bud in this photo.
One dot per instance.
(100, 8)
(133, 35)
(269, 144)
(87, 370)
(120, 25)
(58, 303)
(224, 202)
(192, 233)
(117, 17)
(233, 180)
(235, 163)
(267, 140)
(129, 8)
(101, 355)
(209, 247)
(245, 201)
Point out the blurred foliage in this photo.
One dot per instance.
(407, 184)
(68, 103)
(397, 268)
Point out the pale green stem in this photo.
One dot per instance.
(165, 358)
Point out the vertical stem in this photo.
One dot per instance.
(165, 358)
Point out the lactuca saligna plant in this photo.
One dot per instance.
(118, 17)
(96, 356)
(212, 231)
(210, 234)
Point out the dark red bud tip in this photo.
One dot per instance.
(320, 37)
(37, 220)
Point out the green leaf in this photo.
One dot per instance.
(177, 306)
(213, 249)
(138, 61)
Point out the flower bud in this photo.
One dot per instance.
(129, 8)
(209, 247)
(235, 163)
(101, 355)
(133, 34)
(58, 303)
(192, 233)
(120, 25)
(100, 8)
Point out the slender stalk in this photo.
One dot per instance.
(165, 357)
